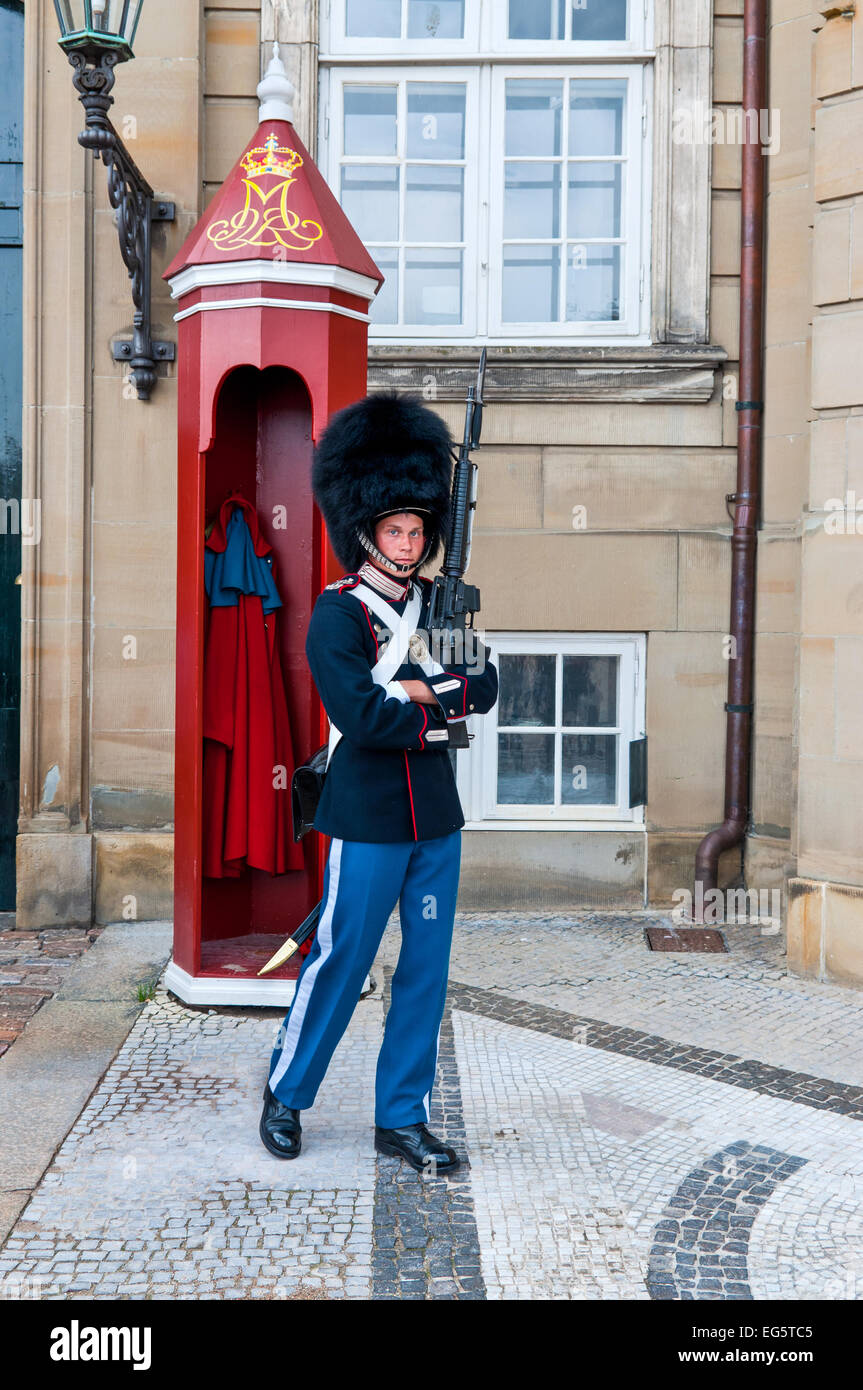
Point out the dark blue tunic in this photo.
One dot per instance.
(387, 780)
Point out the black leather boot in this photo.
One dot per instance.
(423, 1151)
(280, 1128)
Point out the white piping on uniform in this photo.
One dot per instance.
(301, 1002)
(427, 1096)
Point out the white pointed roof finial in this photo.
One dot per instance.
(276, 91)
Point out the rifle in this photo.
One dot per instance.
(452, 604)
(455, 604)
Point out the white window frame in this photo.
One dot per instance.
(336, 44)
(485, 32)
(484, 194)
(678, 60)
(635, 222)
(639, 26)
(476, 767)
(349, 76)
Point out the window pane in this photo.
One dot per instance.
(533, 117)
(436, 120)
(432, 285)
(370, 197)
(593, 282)
(385, 305)
(537, 19)
(598, 19)
(590, 690)
(596, 116)
(370, 120)
(531, 280)
(595, 199)
(525, 769)
(443, 19)
(373, 19)
(531, 200)
(434, 206)
(526, 689)
(589, 770)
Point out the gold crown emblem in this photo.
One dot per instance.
(271, 163)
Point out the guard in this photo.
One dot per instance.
(382, 477)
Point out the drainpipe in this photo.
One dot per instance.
(746, 499)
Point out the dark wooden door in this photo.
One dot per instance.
(11, 512)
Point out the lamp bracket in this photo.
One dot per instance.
(163, 351)
(135, 205)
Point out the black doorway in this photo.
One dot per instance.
(12, 514)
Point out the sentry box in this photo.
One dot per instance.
(273, 288)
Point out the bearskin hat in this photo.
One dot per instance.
(383, 454)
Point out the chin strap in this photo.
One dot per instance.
(401, 568)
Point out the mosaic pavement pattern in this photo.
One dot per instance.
(33, 966)
(426, 1240)
(633, 1127)
(702, 1246)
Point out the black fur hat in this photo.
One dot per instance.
(382, 454)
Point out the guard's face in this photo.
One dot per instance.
(401, 537)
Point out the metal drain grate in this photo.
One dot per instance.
(685, 939)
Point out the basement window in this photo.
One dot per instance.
(555, 750)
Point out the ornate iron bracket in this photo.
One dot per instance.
(136, 205)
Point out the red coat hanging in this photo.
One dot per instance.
(248, 751)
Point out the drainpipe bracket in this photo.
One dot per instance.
(738, 709)
(734, 499)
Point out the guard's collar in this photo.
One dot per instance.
(384, 583)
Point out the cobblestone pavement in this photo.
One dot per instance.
(633, 1125)
(33, 965)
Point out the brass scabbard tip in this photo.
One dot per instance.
(284, 953)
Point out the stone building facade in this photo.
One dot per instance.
(603, 534)
(816, 330)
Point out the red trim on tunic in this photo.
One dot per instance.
(369, 621)
(463, 693)
(410, 793)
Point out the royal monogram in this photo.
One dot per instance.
(265, 218)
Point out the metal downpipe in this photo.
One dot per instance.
(746, 499)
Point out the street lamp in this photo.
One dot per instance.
(96, 35)
(107, 23)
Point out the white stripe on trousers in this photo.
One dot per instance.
(301, 1001)
(427, 1096)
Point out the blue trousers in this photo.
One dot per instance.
(362, 884)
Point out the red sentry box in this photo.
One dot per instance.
(273, 288)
